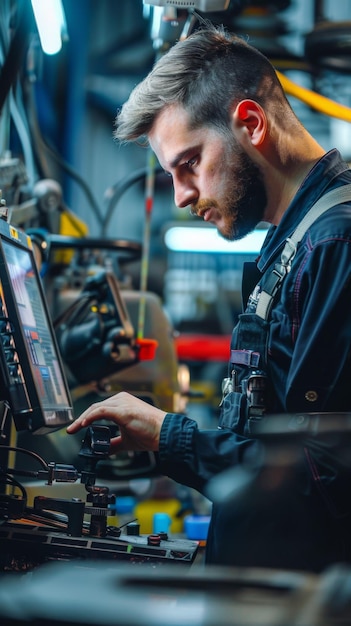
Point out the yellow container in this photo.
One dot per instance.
(145, 511)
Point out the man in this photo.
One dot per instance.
(214, 112)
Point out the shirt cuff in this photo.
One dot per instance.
(176, 438)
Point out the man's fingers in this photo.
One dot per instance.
(83, 422)
(116, 445)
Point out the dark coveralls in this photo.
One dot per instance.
(294, 515)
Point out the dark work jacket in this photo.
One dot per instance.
(283, 505)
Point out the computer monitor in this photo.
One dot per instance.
(32, 379)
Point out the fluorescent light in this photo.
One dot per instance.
(201, 5)
(197, 239)
(51, 23)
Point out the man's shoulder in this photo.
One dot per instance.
(333, 224)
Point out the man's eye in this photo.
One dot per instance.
(191, 162)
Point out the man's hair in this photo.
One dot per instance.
(206, 73)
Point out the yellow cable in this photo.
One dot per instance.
(315, 100)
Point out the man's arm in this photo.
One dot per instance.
(187, 454)
(192, 456)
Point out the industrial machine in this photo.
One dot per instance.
(35, 393)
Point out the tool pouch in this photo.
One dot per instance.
(246, 390)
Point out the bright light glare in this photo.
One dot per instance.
(201, 5)
(197, 239)
(50, 19)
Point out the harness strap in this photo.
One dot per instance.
(281, 269)
(245, 357)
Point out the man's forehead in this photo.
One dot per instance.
(172, 136)
(168, 116)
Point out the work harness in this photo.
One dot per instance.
(247, 394)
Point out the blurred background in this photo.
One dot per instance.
(142, 297)
(83, 198)
(110, 47)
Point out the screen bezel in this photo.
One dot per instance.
(29, 413)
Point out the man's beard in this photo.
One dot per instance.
(245, 200)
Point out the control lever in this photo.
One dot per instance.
(96, 446)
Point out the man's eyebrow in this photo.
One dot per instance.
(180, 156)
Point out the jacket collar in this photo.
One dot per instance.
(320, 179)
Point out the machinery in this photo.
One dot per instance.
(34, 392)
(75, 331)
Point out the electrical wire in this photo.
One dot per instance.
(10, 480)
(314, 100)
(16, 52)
(76, 177)
(113, 194)
(24, 137)
(30, 453)
(43, 149)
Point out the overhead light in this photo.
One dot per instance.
(199, 239)
(51, 23)
(201, 5)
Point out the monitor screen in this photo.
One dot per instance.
(33, 379)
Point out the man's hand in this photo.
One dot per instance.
(139, 422)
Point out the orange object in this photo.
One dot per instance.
(147, 348)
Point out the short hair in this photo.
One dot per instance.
(206, 73)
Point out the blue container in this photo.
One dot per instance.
(196, 526)
(161, 523)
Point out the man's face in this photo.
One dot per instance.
(211, 173)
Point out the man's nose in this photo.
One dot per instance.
(184, 194)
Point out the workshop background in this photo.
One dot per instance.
(111, 47)
(63, 176)
(142, 295)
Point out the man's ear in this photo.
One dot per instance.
(250, 118)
